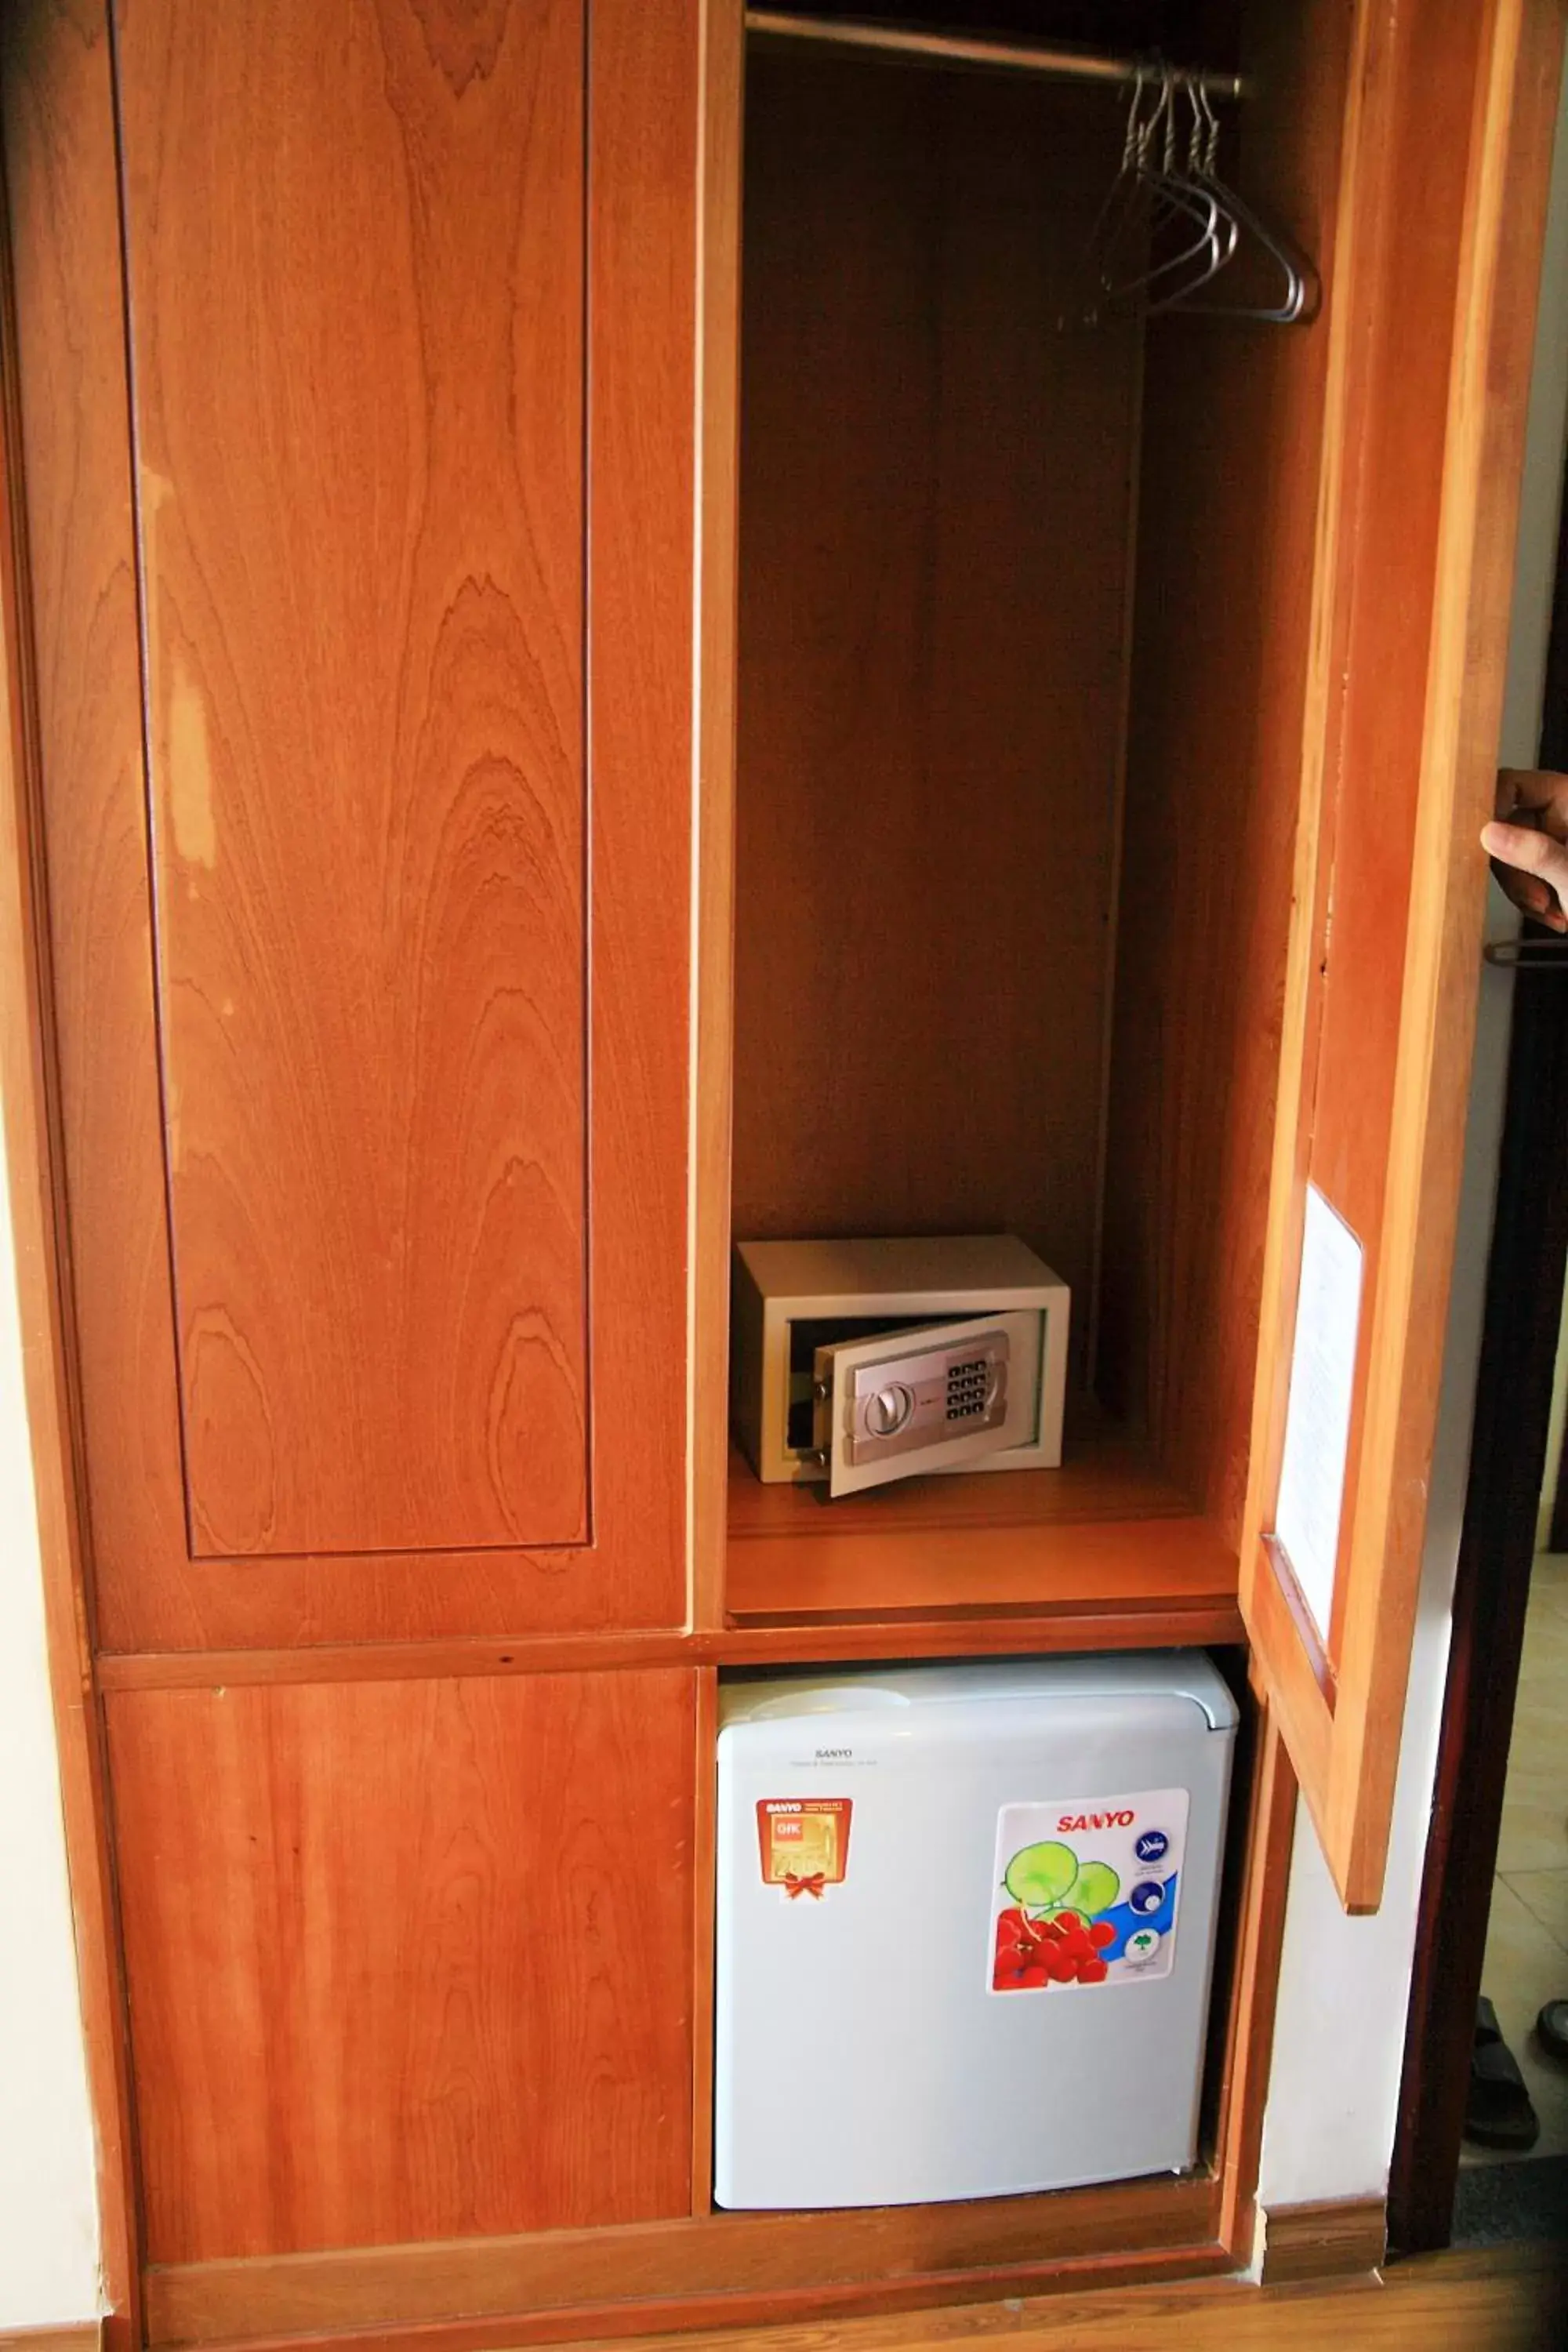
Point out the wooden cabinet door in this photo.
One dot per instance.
(407, 1960)
(1431, 300)
(361, 500)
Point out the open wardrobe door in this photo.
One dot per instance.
(1431, 294)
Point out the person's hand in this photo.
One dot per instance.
(1529, 848)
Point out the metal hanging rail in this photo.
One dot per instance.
(967, 49)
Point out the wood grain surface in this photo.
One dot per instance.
(755, 2260)
(643, 151)
(83, 2336)
(407, 1960)
(1344, 2236)
(1111, 1592)
(1434, 339)
(1110, 1584)
(66, 53)
(1105, 1474)
(934, 500)
(1259, 1948)
(1507, 2299)
(305, 1026)
(723, 98)
(361, 499)
(1232, 424)
(1513, 129)
(1108, 1531)
(1397, 467)
(406, 569)
(59, 140)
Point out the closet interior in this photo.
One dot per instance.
(1023, 654)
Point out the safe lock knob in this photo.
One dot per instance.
(887, 1409)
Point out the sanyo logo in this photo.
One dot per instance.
(834, 1755)
(1096, 1820)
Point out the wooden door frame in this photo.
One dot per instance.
(1508, 1459)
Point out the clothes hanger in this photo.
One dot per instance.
(1297, 293)
(1162, 232)
(1170, 225)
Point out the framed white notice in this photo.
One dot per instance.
(1318, 1419)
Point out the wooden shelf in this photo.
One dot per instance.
(1105, 1550)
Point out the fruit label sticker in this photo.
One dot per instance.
(804, 1843)
(1086, 1891)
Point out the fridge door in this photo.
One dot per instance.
(879, 2037)
(926, 1398)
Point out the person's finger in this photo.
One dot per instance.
(1526, 847)
(1530, 895)
(1544, 790)
(1542, 862)
(1542, 907)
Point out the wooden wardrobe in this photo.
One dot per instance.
(597, 659)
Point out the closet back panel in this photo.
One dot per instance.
(1220, 682)
(936, 508)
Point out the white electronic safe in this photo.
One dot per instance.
(856, 1363)
(965, 1927)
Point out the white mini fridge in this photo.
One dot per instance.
(965, 1927)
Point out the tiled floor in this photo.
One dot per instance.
(1527, 1937)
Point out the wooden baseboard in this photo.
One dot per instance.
(801, 2315)
(79, 2336)
(1501, 2300)
(1316, 2241)
(724, 2268)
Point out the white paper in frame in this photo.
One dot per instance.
(1318, 1418)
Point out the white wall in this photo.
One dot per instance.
(1554, 1435)
(49, 2215)
(1346, 1984)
